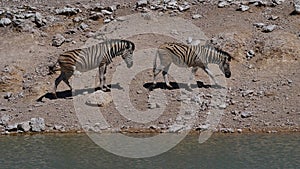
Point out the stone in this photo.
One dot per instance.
(183, 8)
(239, 130)
(222, 106)
(250, 54)
(24, 126)
(77, 19)
(39, 21)
(37, 124)
(141, 3)
(5, 21)
(58, 40)
(83, 26)
(244, 8)
(196, 16)
(222, 4)
(152, 105)
(176, 128)
(246, 114)
(189, 40)
(107, 20)
(11, 127)
(203, 127)
(247, 92)
(67, 11)
(59, 127)
(269, 28)
(4, 119)
(99, 98)
(259, 25)
(8, 95)
(297, 6)
(106, 12)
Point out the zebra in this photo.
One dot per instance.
(197, 56)
(85, 59)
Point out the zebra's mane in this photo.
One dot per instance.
(223, 53)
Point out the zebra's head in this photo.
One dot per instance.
(225, 65)
(128, 53)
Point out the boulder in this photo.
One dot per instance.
(37, 124)
(99, 98)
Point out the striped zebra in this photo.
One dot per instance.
(190, 56)
(98, 55)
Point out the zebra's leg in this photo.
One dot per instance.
(211, 75)
(156, 71)
(102, 70)
(57, 81)
(165, 75)
(194, 70)
(66, 78)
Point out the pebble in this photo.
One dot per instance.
(239, 130)
(24, 126)
(5, 21)
(246, 114)
(250, 54)
(39, 21)
(99, 98)
(83, 26)
(244, 8)
(222, 4)
(8, 95)
(297, 6)
(141, 3)
(259, 25)
(189, 40)
(67, 11)
(37, 124)
(269, 28)
(4, 119)
(58, 40)
(196, 16)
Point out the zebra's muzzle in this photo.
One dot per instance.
(227, 74)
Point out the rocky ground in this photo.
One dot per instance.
(263, 94)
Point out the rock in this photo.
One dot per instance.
(83, 26)
(259, 25)
(239, 130)
(5, 21)
(269, 28)
(203, 127)
(107, 20)
(99, 98)
(4, 108)
(176, 128)
(244, 8)
(247, 92)
(106, 12)
(39, 21)
(196, 16)
(77, 19)
(189, 40)
(246, 114)
(12, 127)
(250, 54)
(183, 8)
(8, 95)
(141, 3)
(4, 119)
(58, 40)
(152, 105)
(37, 124)
(67, 11)
(297, 6)
(59, 128)
(24, 126)
(222, 106)
(278, 2)
(273, 17)
(226, 130)
(222, 4)
(96, 15)
(139, 92)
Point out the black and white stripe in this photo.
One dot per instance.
(190, 56)
(98, 55)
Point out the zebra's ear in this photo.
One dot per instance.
(130, 45)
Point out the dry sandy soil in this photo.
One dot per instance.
(266, 86)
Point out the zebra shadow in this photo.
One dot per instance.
(162, 85)
(68, 94)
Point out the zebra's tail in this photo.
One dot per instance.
(53, 68)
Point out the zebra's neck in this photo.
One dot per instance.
(211, 55)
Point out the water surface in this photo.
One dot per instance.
(220, 151)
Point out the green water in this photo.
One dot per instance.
(220, 151)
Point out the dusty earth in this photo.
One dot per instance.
(262, 94)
